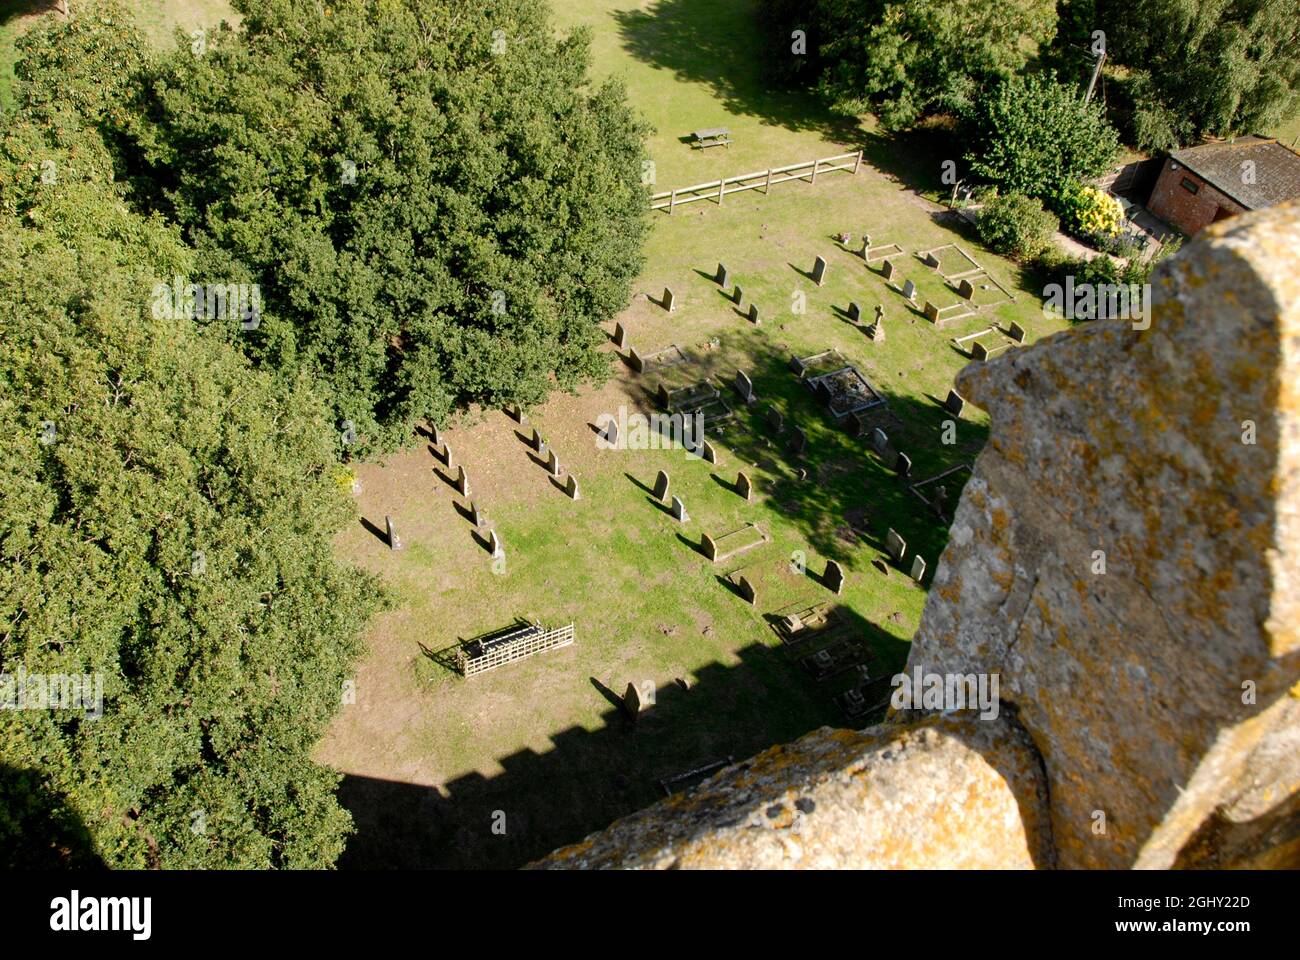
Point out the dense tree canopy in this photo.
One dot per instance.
(437, 205)
(1198, 67)
(903, 59)
(166, 517)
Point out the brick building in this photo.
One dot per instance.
(1214, 181)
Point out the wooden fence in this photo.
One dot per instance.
(718, 189)
(483, 655)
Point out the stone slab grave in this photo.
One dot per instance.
(819, 271)
(927, 490)
(394, 541)
(801, 622)
(970, 283)
(845, 392)
(816, 364)
(681, 782)
(840, 657)
(669, 356)
(833, 578)
(942, 316)
(980, 351)
(935, 256)
(662, 482)
(744, 486)
(679, 511)
(638, 698)
(702, 398)
(734, 543)
(882, 252)
(896, 546)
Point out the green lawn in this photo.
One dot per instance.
(430, 757)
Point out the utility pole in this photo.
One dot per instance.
(1096, 72)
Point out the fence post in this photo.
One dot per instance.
(857, 163)
(721, 186)
(814, 176)
(767, 187)
(672, 201)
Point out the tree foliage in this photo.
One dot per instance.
(904, 59)
(1199, 67)
(495, 216)
(1036, 136)
(166, 517)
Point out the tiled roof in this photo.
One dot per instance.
(1276, 172)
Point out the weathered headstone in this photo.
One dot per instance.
(462, 481)
(620, 336)
(722, 276)
(536, 441)
(931, 260)
(611, 434)
(394, 541)
(966, 290)
(634, 360)
(475, 514)
(553, 464)
(447, 457)
(435, 435)
(571, 488)
(670, 299)
(931, 312)
(753, 314)
(710, 547)
(661, 486)
(890, 456)
(747, 590)
(679, 510)
(796, 366)
(661, 392)
(1016, 332)
(798, 441)
(494, 544)
(819, 271)
(639, 698)
(744, 386)
(738, 295)
(710, 454)
(887, 270)
(909, 291)
(903, 464)
(833, 578)
(879, 440)
(896, 545)
(775, 420)
(955, 403)
(855, 311)
(866, 244)
(744, 486)
(918, 568)
(978, 351)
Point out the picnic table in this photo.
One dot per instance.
(712, 137)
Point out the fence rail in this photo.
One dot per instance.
(719, 189)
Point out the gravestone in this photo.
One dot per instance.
(435, 435)
(738, 295)
(662, 393)
(896, 546)
(966, 290)
(394, 541)
(670, 300)
(955, 403)
(918, 568)
(447, 458)
(1016, 333)
(978, 351)
(833, 578)
(819, 271)
(855, 312)
(634, 360)
(661, 486)
(796, 366)
(887, 270)
(866, 244)
(722, 276)
(744, 486)
(890, 456)
(495, 545)
(611, 433)
(744, 386)
(620, 336)
(931, 260)
(571, 488)
(775, 420)
(462, 482)
(879, 440)
(710, 454)
(475, 514)
(679, 510)
(753, 314)
(709, 547)
(931, 312)
(553, 464)
(798, 441)
(639, 698)
(536, 441)
(903, 465)
(747, 591)
(909, 291)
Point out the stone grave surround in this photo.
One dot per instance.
(1121, 692)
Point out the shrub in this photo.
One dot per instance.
(1017, 225)
(1089, 213)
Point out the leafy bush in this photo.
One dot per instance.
(1089, 213)
(1016, 225)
